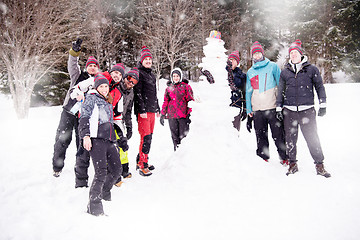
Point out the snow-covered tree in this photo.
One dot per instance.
(32, 31)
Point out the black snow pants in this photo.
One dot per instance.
(107, 165)
(307, 121)
(81, 166)
(263, 119)
(63, 138)
(179, 128)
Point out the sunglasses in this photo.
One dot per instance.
(132, 81)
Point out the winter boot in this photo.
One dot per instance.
(56, 174)
(320, 170)
(118, 184)
(284, 163)
(144, 172)
(293, 168)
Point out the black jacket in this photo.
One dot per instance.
(239, 79)
(297, 89)
(145, 94)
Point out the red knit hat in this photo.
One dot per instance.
(92, 60)
(235, 55)
(256, 47)
(145, 52)
(296, 46)
(118, 67)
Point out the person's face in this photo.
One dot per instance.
(295, 56)
(116, 76)
(176, 77)
(257, 55)
(130, 82)
(103, 89)
(233, 62)
(92, 69)
(147, 62)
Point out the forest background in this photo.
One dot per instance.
(36, 35)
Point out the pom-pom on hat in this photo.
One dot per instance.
(296, 46)
(256, 47)
(236, 56)
(145, 52)
(134, 73)
(118, 67)
(92, 60)
(100, 79)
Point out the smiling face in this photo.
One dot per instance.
(175, 78)
(295, 56)
(103, 89)
(147, 62)
(116, 76)
(92, 69)
(257, 56)
(130, 82)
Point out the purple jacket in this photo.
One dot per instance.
(176, 100)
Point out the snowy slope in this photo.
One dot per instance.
(213, 187)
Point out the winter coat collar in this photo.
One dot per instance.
(141, 67)
(299, 66)
(261, 64)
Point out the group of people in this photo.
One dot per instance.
(98, 107)
(282, 100)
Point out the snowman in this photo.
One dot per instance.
(214, 63)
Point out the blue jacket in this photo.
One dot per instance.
(262, 80)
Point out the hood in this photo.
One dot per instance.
(177, 70)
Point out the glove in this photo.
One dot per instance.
(243, 115)
(128, 132)
(322, 111)
(162, 120)
(279, 116)
(122, 143)
(229, 66)
(249, 123)
(76, 46)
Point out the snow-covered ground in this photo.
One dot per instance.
(213, 187)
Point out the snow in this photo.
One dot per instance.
(213, 187)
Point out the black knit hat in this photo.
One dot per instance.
(100, 79)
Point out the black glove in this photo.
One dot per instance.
(249, 123)
(243, 115)
(229, 66)
(322, 111)
(122, 142)
(162, 120)
(279, 116)
(76, 46)
(128, 132)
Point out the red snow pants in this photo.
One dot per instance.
(146, 129)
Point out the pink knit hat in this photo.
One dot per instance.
(296, 46)
(256, 47)
(235, 55)
(145, 52)
(92, 60)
